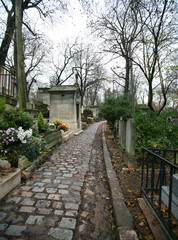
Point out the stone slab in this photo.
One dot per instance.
(152, 221)
(165, 199)
(9, 181)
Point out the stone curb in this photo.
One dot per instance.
(123, 218)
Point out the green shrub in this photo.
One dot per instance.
(10, 116)
(123, 107)
(30, 150)
(154, 130)
(40, 121)
(115, 108)
(3, 124)
(2, 105)
(24, 119)
(18, 118)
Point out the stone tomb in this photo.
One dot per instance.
(65, 105)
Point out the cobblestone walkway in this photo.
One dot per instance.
(47, 206)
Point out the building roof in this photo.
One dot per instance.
(64, 88)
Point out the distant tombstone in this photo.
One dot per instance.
(65, 105)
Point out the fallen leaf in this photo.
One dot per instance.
(141, 224)
(129, 190)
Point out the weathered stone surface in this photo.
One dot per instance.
(28, 202)
(68, 223)
(23, 162)
(60, 233)
(44, 211)
(13, 200)
(14, 219)
(41, 195)
(57, 205)
(9, 181)
(4, 164)
(63, 192)
(37, 220)
(71, 206)
(27, 209)
(38, 189)
(27, 194)
(43, 203)
(54, 197)
(71, 213)
(15, 230)
(51, 190)
(3, 226)
(58, 212)
(62, 186)
(2, 215)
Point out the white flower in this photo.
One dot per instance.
(24, 135)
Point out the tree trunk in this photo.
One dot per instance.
(126, 88)
(20, 71)
(7, 38)
(150, 95)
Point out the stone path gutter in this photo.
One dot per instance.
(123, 218)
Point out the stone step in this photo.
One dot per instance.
(78, 132)
(175, 184)
(165, 199)
(67, 135)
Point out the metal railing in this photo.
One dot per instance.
(8, 85)
(158, 169)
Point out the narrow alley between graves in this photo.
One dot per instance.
(66, 198)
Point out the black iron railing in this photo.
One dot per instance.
(8, 85)
(159, 168)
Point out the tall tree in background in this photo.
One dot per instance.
(20, 70)
(63, 64)
(119, 28)
(87, 64)
(156, 20)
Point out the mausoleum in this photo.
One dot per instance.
(64, 102)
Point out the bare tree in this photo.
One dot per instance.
(156, 20)
(34, 53)
(63, 64)
(92, 96)
(44, 9)
(87, 65)
(119, 28)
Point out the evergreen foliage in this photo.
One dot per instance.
(40, 121)
(115, 108)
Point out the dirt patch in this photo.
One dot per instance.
(130, 181)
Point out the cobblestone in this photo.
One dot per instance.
(47, 205)
(34, 220)
(61, 233)
(68, 223)
(15, 230)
